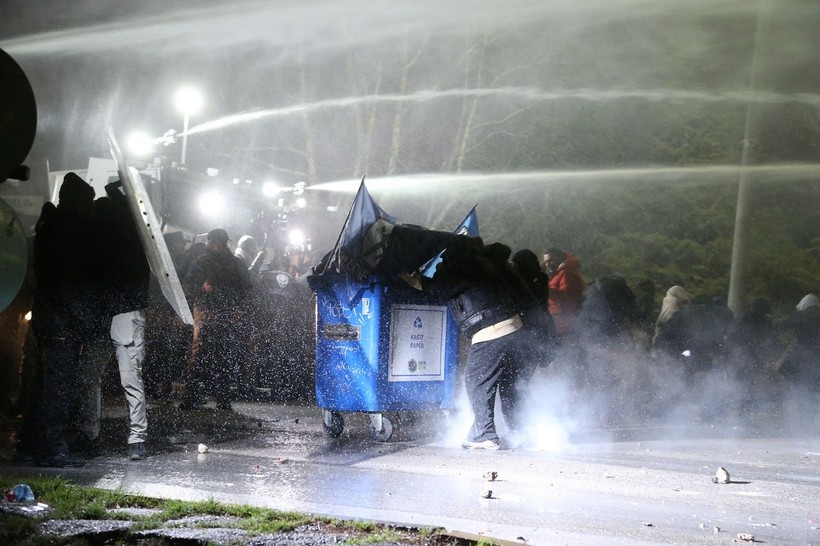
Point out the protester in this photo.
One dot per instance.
(751, 342)
(695, 336)
(566, 288)
(126, 282)
(67, 311)
(248, 251)
(676, 298)
(605, 371)
(799, 363)
(217, 283)
(283, 341)
(477, 285)
(191, 254)
(608, 309)
(526, 263)
(539, 346)
(298, 259)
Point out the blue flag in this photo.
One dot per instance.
(348, 255)
(468, 226)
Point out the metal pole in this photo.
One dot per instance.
(740, 244)
(184, 137)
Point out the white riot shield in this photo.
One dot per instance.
(150, 233)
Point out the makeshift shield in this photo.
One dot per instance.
(150, 232)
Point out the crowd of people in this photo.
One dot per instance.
(251, 337)
(624, 362)
(95, 301)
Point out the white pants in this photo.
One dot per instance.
(127, 334)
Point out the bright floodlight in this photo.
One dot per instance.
(140, 144)
(301, 202)
(211, 204)
(188, 100)
(270, 189)
(296, 237)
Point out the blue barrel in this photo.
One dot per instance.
(381, 346)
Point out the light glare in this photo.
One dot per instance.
(140, 144)
(188, 100)
(296, 237)
(211, 204)
(270, 189)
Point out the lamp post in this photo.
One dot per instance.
(188, 101)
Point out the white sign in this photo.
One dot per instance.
(417, 342)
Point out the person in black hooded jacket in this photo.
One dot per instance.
(68, 310)
(481, 291)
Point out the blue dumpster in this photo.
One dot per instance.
(381, 346)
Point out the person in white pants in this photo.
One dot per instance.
(124, 291)
(127, 335)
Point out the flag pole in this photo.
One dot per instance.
(335, 252)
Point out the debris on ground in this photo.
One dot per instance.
(29, 509)
(746, 537)
(488, 494)
(721, 476)
(491, 475)
(20, 493)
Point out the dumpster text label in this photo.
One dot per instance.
(417, 342)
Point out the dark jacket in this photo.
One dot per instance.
(127, 269)
(526, 263)
(68, 270)
(699, 329)
(227, 275)
(476, 285)
(607, 310)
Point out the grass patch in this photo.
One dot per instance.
(70, 501)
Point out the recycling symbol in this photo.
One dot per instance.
(417, 323)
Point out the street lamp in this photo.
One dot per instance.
(188, 101)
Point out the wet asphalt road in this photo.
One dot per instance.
(636, 491)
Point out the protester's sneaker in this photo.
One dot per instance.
(137, 451)
(492, 444)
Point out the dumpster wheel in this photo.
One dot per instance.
(381, 428)
(333, 423)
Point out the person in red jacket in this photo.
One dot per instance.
(566, 288)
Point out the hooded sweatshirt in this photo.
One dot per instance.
(809, 300)
(675, 298)
(566, 291)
